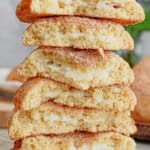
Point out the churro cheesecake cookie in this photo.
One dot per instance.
(77, 141)
(77, 68)
(50, 118)
(121, 11)
(76, 32)
(38, 90)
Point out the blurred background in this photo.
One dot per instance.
(11, 48)
(13, 52)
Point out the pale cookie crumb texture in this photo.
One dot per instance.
(76, 32)
(121, 11)
(77, 141)
(39, 90)
(77, 68)
(50, 118)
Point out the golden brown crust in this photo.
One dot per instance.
(17, 145)
(21, 92)
(68, 31)
(141, 87)
(129, 13)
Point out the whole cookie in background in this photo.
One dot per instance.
(141, 87)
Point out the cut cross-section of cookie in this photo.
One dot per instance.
(77, 141)
(36, 91)
(121, 11)
(77, 68)
(50, 118)
(76, 32)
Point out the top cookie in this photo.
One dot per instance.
(121, 11)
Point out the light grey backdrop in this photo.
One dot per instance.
(12, 52)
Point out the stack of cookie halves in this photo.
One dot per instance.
(76, 95)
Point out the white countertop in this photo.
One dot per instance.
(7, 144)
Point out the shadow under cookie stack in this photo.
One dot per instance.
(76, 95)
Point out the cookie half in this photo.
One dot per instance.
(76, 32)
(77, 141)
(77, 68)
(50, 118)
(122, 11)
(38, 90)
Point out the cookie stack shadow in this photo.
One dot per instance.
(76, 95)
